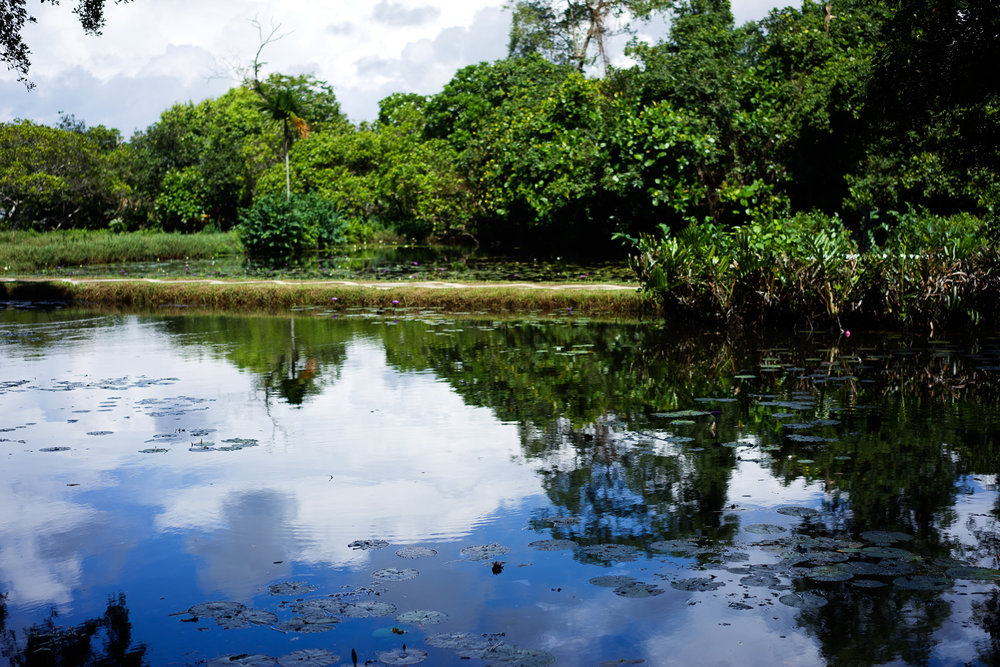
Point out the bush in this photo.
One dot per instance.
(275, 225)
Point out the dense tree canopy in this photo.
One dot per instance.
(872, 113)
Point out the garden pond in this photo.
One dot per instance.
(342, 486)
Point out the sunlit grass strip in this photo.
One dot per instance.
(22, 252)
(274, 296)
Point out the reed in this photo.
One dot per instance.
(25, 252)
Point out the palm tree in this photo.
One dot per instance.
(283, 106)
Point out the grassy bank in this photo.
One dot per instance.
(271, 296)
(27, 252)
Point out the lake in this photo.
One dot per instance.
(182, 489)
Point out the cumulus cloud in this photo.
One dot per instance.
(396, 15)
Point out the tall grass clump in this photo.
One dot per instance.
(24, 251)
(929, 269)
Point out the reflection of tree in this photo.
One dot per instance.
(293, 358)
(859, 627)
(48, 644)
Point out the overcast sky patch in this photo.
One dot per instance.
(396, 15)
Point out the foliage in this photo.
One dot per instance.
(52, 178)
(277, 225)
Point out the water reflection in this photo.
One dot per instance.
(814, 502)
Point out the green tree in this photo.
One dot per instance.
(52, 178)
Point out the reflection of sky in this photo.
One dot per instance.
(378, 454)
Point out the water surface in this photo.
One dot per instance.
(181, 489)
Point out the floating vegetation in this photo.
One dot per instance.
(553, 545)
(459, 641)
(764, 529)
(99, 432)
(795, 510)
(231, 615)
(154, 450)
(868, 583)
(485, 551)
(243, 660)
(395, 574)
(803, 600)
(612, 552)
(680, 414)
(403, 656)
(236, 444)
(416, 552)
(422, 617)
(922, 582)
(291, 588)
(973, 573)
(308, 625)
(309, 657)
(835, 572)
(638, 589)
(54, 449)
(319, 607)
(883, 537)
(612, 580)
(886, 552)
(683, 547)
(369, 608)
(368, 545)
(697, 584)
(508, 655)
(762, 580)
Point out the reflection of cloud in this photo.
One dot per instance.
(256, 533)
(379, 454)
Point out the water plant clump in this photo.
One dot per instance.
(485, 551)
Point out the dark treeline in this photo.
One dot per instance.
(856, 116)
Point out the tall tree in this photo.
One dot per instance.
(13, 17)
(566, 31)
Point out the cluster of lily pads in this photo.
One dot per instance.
(324, 613)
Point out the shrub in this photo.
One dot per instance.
(276, 225)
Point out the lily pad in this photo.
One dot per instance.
(886, 552)
(638, 589)
(760, 580)
(697, 584)
(921, 582)
(403, 656)
(457, 641)
(54, 449)
(803, 600)
(485, 551)
(885, 537)
(99, 432)
(308, 625)
(680, 414)
(369, 608)
(685, 547)
(868, 583)
(309, 657)
(617, 552)
(507, 655)
(836, 572)
(218, 609)
(320, 607)
(153, 450)
(416, 552)
(368, 545)
(612, 580)
(553, 545)
(243, 660)
(291, 588)
(973, 573)
(422, 617)
(395, 574)
(797, 510)
(764, 529)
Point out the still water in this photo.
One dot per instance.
(182, 489)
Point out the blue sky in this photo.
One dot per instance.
(154, 54)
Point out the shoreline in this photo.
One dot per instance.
(506, 298)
